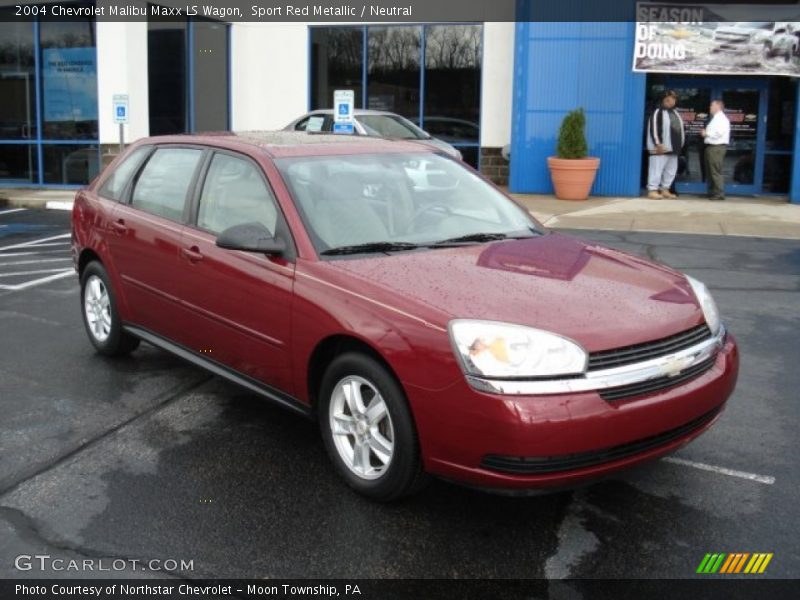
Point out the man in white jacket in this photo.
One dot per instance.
(717, 136)
(665, 140)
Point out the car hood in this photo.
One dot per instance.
(600, 297)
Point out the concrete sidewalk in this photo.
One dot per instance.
(754, 217)
(745, 216)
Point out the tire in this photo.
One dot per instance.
(100, 315)
(388, 466)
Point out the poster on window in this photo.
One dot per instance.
(69, 84)
(717, 39)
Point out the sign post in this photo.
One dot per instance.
(343, 101)
(121, 117)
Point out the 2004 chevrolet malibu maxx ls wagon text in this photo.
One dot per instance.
(426, 320)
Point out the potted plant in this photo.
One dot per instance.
(572, 170)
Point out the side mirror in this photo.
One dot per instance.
(251, 237)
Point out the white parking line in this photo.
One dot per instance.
(35, 282)
(30, 262)
(38, 243)
(767, 479)
(36, 272)
(11, 210)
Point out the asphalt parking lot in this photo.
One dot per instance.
(147, 457)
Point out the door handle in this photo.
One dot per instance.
(193, 254)
(119, 226)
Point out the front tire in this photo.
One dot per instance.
(368, 429)
(100, 315)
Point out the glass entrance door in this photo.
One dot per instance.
(18, 132)
(745, 105)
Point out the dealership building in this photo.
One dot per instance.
(483, 87)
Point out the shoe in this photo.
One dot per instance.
(667, 194)
(716, 198)
(654, 195)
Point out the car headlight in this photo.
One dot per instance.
(492, 349)
(707, 304)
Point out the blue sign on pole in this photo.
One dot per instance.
(343, 128)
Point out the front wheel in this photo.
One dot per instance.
(368, 429)
(100, 315)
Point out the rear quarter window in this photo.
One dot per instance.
(162, 186)
(113, 187)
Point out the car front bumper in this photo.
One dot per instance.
(514, 441)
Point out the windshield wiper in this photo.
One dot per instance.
(370, 247)
(484, 237)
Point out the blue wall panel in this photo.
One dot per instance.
(794, 192)
(562, 66)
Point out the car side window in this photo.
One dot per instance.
(235, 193)
(164, 182)
(114, 186)
(302, 124)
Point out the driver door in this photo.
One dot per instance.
(241, 301)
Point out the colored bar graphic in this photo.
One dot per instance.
(733, 563)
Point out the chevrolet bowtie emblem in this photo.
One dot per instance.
(675, 365)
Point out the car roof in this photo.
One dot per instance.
(282, 144)
(356, 112)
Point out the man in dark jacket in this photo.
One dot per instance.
(665, 139)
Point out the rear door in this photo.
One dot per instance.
(145, 238)
(241, 301)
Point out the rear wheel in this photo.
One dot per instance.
(100, 315)
(368, 429)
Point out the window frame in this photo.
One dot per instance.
(192, 212)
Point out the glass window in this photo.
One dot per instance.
(780, 113)
(17, 83)
(337, 58)
(393, 69)
(69, 79)
(114, 186)
(398, 198)
(166, 73)
(453, 82)
(391, 126)
(235, 193)
(18, 163)
(70, 164)
(163, 184)
(210, 71)
(777, 173)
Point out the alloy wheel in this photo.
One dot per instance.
(362, 427)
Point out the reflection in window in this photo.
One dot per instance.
(453, 81)
(116, 183)
(166, 73)
(393, 69)
(164, 182)
(70, 164)
(210, 68)
(17, 84)
(69, 79)
(336, 63)
(234, 193)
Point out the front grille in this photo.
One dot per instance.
(654, 385)
(518, 465)
(627, 355)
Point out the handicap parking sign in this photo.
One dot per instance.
(344, 109)
(121, 103)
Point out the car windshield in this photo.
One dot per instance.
(398, 202)
(391, 126)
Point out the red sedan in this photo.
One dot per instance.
(424, 318)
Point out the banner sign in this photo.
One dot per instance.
(708, 39)
(69, 82)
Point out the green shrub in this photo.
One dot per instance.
(572, 136)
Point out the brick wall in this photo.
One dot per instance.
(494, 166)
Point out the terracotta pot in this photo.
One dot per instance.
(572, 177)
